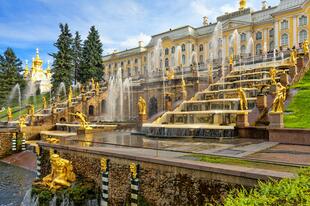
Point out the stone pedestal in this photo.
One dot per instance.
(141, 119)
(261, 102)
(242, 120)
(276, 120)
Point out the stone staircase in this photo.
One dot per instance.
(213, 112)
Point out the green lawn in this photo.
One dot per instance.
(299, 107)
(244, 163)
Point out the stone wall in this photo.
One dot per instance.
(5, 144)
(290, 136)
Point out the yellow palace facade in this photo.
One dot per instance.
(272, 28)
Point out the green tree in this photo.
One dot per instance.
(92, 57)
(63, 65)
(77, 56)
(10, 74)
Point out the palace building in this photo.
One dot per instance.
(271, 28)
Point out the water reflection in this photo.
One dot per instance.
(14, 182)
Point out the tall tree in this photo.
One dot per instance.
(77, 56)
(92, 57)
(10, 73)
(63, 65)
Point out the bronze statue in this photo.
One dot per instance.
(9, 113)
(305, 47)
(273, 74)
(243, 99)
(62, 174)
(142, 106)
(278, 102)
(82, 119)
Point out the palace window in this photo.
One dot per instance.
(166, 62)
(173, 50)
(128, 62)
(243, 37)
(303, 20)
(271, 33)
(284, 40)
(183, 47)
(201, 59)
(259, 35)
(115, 65)
(303, 36)
(243, 49)
(122, 63)
(109, 66)
(136, 61)
(136, 70)
(258, 49)
(129, 71)
(183, 59)
(284, 24)
(271, 46)
(193, 47)
(166, 51)
(144, 58)
(200, 47)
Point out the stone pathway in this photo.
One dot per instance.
(26, 160)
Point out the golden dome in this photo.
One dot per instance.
(37, 61)
(242, 4)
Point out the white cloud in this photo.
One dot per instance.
(109, 51)
(132, 41)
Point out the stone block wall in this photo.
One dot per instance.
(5, 144)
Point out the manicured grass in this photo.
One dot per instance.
(299, 107)
(244, 163)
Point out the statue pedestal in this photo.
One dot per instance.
(242, 119)
(141, 119)
(276, 120)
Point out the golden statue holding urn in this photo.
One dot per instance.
(278, 102)
(142, 106)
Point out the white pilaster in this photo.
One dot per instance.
(295, 35)
(276, 34)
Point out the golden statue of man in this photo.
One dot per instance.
(82, 119)
(142, 106)
(273, 74)
(170, 74)
(62, 174)
(278, 102)
(44, 102)
(293, 57)
(22, 122)
(31, 110)
(133, 170)
(305, 47)
(9, 114)
(243, 99)
(70, 96)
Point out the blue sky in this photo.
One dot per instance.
(28, 24)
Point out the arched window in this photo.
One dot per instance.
(129, 72)
(183, 47)
(243, 49)
(271, 46)
(303, 36)
(284, 40)
(258, 49)
(271, 33)
(303, 20)
(122, 64)
(200, 47)
(284, 24)
(166, 62)
(166, 51)
(173, 50)
(193, 47)
(183, 59)
(128, 62)
(243, 37)
(201, 59)
(259, 35)
(136, 61)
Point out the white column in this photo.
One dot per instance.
(295, 35)
(276, 33)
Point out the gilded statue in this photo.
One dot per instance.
(22, 122)
(104, 164)
(82, 119)
(52, 140)
(170, 74)
(305, 47)
(293, 57)
(184, 92)
(97, 88)
(70, 94)
(62, 174)
(9, 114)
(231, 60)
(243, 99)
(44, 102)
(93, 85)
(133, 170)
(31, 109)
(82, 88)
(278, 102)
(142, 106)
(273, 74)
